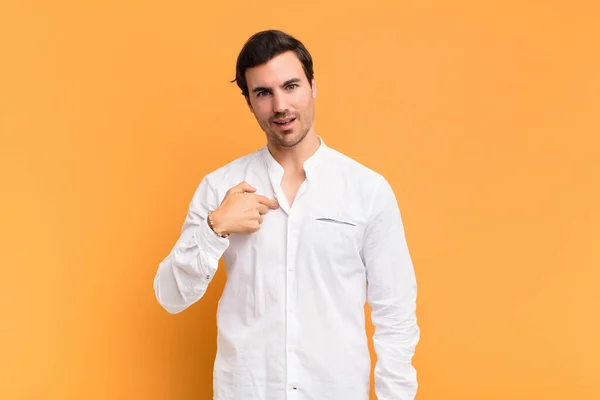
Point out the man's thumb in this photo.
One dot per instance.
(245, 187)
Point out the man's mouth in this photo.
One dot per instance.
(284, 122)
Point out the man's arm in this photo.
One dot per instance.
(184, 275)
(391, 294)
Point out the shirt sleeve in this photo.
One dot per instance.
(391, 295)
(183, 276)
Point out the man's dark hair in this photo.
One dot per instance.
(265, 45)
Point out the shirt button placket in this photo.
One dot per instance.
(291, 321)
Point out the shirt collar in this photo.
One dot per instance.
(310, 165)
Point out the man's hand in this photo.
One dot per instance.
(241, 210)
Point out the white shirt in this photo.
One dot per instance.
(291, 321)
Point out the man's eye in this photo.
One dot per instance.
(263, 93)
(292, 86)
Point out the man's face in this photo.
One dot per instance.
(281, 99)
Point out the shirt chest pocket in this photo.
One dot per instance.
(334, 235)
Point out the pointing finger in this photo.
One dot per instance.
(267, 201)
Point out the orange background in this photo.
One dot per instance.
(483, 117)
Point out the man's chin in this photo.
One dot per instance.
(289, 139)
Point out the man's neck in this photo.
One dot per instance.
(292, 159)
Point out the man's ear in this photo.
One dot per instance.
(314, 88)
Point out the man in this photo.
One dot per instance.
(307, 236)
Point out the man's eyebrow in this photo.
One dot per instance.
(268, 89)
(290, 81)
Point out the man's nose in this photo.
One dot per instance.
(279, 103)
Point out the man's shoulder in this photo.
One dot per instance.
(354, 168)
(235, 165)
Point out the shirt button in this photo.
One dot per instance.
(291, 387)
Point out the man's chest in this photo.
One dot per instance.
(290, 184)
